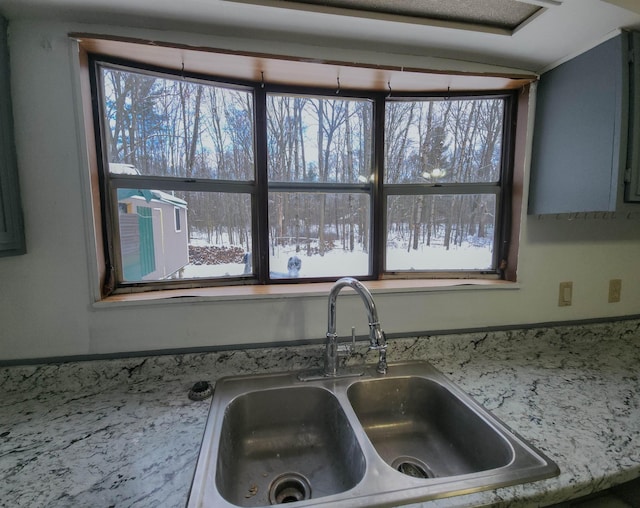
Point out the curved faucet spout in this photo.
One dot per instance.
(369, 304)
(377, 338)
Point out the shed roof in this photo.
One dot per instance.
(151, 195)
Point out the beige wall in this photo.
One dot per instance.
(46, 295)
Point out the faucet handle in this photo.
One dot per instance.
(382, 354)
(348, 349)
(378, 340)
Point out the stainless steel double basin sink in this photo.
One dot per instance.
(363, 441)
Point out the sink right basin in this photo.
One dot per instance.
(422, 430)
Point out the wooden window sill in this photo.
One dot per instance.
(278, 291)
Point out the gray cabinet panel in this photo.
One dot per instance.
(11, 225)
(632, 177)
(578, 134)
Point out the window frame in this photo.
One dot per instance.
(502, 188)
(260, 187)
(324, 187)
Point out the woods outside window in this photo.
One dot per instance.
(277, 183)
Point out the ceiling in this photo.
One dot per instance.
(560, 30)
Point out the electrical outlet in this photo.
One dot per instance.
(615, 290)
(565, 294)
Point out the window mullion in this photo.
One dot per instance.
(378, 206)
(260, 203)
(179, 184)
(441, 189)
(333, 188)
(506, 176)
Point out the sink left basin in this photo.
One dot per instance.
(277, 445)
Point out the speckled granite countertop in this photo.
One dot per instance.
(123, 432)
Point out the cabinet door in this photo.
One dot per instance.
(11, 227)
(576, 162)
(632, 177)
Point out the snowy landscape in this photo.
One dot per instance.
(338, 262)
(441, 172)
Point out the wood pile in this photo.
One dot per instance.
(214, 255)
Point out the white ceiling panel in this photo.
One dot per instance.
(556, 32)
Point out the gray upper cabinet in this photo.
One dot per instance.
(11, 225)
(632, 174)
(579, 139)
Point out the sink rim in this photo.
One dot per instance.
(378, 486)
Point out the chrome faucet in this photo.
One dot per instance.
(377, 339)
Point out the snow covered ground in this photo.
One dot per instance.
(339, 263)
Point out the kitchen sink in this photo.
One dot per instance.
(372, 440)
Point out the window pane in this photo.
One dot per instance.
(434, 232)
(443, 141)
(166, 127)
(328, 234)
(319, 140)
(214, 234)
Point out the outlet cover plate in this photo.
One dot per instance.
(615, 290)
(565, 294)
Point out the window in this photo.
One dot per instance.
(178, 224)
(210, 182)
(443, 183)
(319, 169)
(177, 148)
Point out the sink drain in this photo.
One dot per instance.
(412, 467)
(289, 488)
